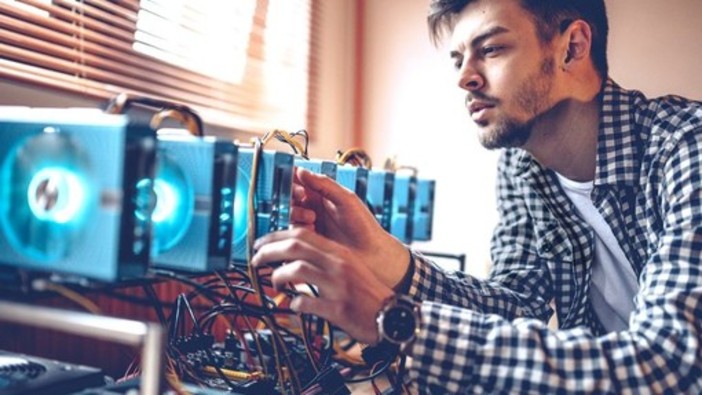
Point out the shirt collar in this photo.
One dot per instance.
(617, 143)
(617, 157)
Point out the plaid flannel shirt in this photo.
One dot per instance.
(491, 335)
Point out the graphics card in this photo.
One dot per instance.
(69, 200)
(271, 205)
(194, 199)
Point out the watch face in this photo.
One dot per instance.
(399, 323)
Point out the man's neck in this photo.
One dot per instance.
(565, 139)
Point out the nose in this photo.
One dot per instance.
(470, 79)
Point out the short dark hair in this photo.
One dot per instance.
(550, 17)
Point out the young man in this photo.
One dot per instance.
(600, 201)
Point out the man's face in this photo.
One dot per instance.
(507, 71)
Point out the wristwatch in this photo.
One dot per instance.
(398, 323)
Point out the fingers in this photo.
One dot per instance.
(302, 216)
(298, 193)
(325, 186)
(289, 245)
(304, 197)
(350, 294)
(308, 305)
(298, 272)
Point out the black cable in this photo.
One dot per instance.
(208, 350)
(370, 377)
(400, 373)
(155, 302)
(190, 311)
(206, 292)
(175, 314)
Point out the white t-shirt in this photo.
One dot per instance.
(614, 282)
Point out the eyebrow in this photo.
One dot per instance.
(476, 41)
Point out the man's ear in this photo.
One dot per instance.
(578, 37)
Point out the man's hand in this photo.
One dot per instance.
(350, 294)
(333, 211)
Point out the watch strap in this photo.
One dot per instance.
(383, 351)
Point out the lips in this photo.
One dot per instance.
(477, 109)
(478, 106)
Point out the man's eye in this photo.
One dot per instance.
(457, 64)
(491, 50)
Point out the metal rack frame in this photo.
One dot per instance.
(150, 336)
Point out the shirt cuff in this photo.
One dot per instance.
(403, 287)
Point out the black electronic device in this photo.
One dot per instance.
(380, 196)
(271, 199)
(69, 200)
(194, 203)
(403, 202)
(28, 375)
(424, 210)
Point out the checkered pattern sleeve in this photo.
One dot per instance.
(463, 348)
(519, 283)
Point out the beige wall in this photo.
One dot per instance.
(412, 108)
(334, 122)
(656, 46)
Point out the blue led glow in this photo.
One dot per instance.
(174, 206)
(56, 194)
(167, 201)
(47, 195)
(241, 204)
(144, 199)
(226, 205)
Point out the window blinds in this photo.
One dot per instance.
(244, 64)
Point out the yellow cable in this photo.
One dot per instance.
(74, 296)
(184, 118)
(286, 137)
(173, 379)
(251, 238)
(269, 321)
(233, 374)
(355, 154)
(412, 169)
(390, 164)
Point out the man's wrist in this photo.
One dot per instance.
(405, 283)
